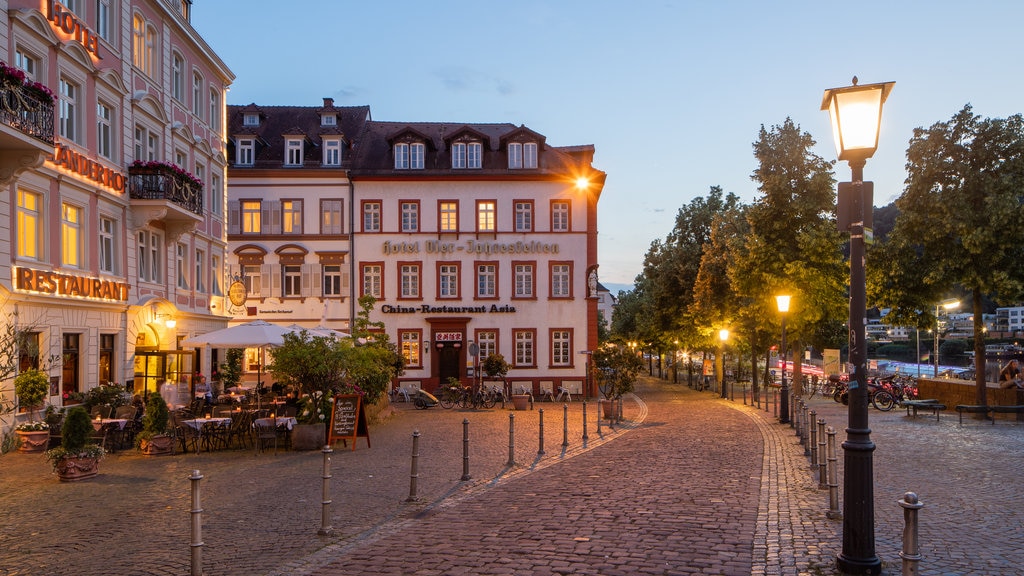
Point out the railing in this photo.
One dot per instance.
(164, 184)
(26, 110)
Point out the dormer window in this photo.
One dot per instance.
(409, 156)
(251, 119)
(328, 120)
(245, 152)
(332, 152)
(293, 152)
(522, 155)
(467, 155)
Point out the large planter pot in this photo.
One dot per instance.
(308, 436)
(33, 441)
(608, 409)
(520, 401)
(77, 468)
(160, 445)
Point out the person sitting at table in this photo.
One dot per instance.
(203, 390)
(1009, 376)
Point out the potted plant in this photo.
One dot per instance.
(76, 458)
(31, 387)
(154, 440)
(311, 418)
(495, 367)
(616, 370)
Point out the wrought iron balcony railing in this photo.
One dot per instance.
(26, 110)
(165, 183)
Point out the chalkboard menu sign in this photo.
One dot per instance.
(348, 421)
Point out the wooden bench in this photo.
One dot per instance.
(934, 405)
(1015, 409)
(971, 409)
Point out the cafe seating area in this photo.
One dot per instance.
(234, 425)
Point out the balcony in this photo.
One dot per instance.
(26, 127)
(165, 192)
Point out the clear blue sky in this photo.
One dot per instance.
(671, 93)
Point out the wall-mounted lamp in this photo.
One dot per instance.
(168, 319)
(426, 346)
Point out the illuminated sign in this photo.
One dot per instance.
(65, 21)
(448, 337)
(428, 309)
(91, 169)
(60, 284)
(471, 247)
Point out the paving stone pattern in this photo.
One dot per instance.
(691, 484)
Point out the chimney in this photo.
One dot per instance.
(328, 102)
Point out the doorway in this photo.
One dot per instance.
(448, 365)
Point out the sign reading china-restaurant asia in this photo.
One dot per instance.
(60, 284)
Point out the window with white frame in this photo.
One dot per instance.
(216, 194)
(26, 62)
(487, 341)
(411, 347)
(252, 279)
(417, 152)
(104, 132)
(181, 265)
(103, 19)
(467, 155)
(292, 285)
(291, 216)
(215, 275)
(71, 235)
(524, 216)
(561, 348)
(69, 95)
(371, 216)
(409, 281)
(200, 268)
(409, 156)
(29, 225)
(332, 152)
(448, 280)
(250, 211)
(524, 347)
(523, 281)
(251, 119)
(330, 217)
(180, 158)
(214, 108)
(560, 216)
(560, 274)
(328, 119)
(197, 94)
(486, 281)
(372, 274)
(530, 155)
(147, 144)
(410, 216)
(486, 217)
(108, 245)
(332, 280)
(245, 152)
(140, 45)
(149, 64)
(149, 261)
(152, 146)
(448, 212)
(200, 172)
(178, 77)
(293, 152)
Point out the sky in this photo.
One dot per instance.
(671, 93)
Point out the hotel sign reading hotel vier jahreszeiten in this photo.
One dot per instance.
(471, 247)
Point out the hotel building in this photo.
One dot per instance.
(113, 203)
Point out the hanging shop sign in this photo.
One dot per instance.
(61, 284)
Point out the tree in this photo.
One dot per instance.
(231, 369)
(616, 369)
(958, 226)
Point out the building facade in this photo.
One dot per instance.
(113, 193)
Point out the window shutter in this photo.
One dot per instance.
(233, 217)
(307, 279)
(265, 280)
(271, 210)
(345, 281)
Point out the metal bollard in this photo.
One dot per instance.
(325, 497)
(812, 443)
(833, 476)
(806, 423)
(822, 480)
(565, 425)
(540, 435)
(911, 552)
(465, 450)
(511, 440)
(414, 475)
(585, 437)
(794, 419)
(745, 396)
(601, 407)
(197, 525)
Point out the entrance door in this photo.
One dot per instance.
(154, 367)
(448, 362)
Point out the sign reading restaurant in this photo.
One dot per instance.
(60, 284)
(471, 247)
(428, 309)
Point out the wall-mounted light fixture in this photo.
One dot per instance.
(168, 319)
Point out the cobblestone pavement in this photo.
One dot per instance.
(693, 484)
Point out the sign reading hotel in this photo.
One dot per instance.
(60, 284)
(79, 164)
(65, 21)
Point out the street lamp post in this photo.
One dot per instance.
(948, 304)
(782, 301)
(723, 335)
(675, 364)
(856, 115)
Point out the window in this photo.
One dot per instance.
(487, 341)
(178, 78)
(146, 144)
(250, 216)
(371, 216)
(292, 280)
(559, 216)
(149, 64)
(108, 243)
(246, 151)
(149, 263)
(251, 278)
(409, 279)
(180, 158)
(523, 280)
(449, 214)
(104, 135)
(106, 365)
(216, 195)
(409, 156)
(372, 276)
(200, 267)
(181, 265)
(30, 230)
(410, 216)
(68, 109)
(560, 285)
(214, 108)
(26, 62)
(330, 217)
(197, 95)
(73, 6)
(293, 152)
(411, 348)
(71, 235)
(485, 216)
(332, 152)
(466, 155)
(524, 347)
(140, 45)
(103, 20)
(328, 120)
(524, 216)
(486, 280)
(28, 351)
(448, 280)
(291, 216)
(251, 119)
(215, 275)
(561, 348)
(332, 280)
(200, 172)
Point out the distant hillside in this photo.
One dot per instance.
(615, 288)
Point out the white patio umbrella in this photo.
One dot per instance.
(321, 331)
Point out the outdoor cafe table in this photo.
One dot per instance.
(197, 423)
(286, 421)
(98, 423)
